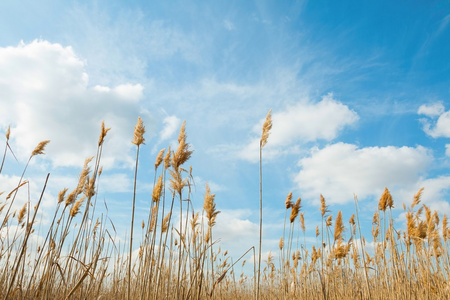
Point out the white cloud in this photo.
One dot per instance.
(234, 228)
(434, 194)
(115, 183)
(439, 128)
(44, 94)
(171, 125)
(200, 185)
(447, 149)
(431, 110)
(30, 191)
(300, 123)
(339, 170)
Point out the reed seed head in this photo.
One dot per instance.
(71, 197)
(157, 190)
(76, 207)
(323, 206)
(167, 159)
(281, 243)
(338, 227)
(7, 133)
(352, 220)
(302, 222)
(103, 133)
(21, 214)
(417, 197)
(183, 153)
(266, 129)
(210, 207)
(154, 214)
(40, 148)
(385, 200)
(84, 175)
(159, 158)
(61, 195)
(288, 201)
(139, 130)
(295, 210)
(165, 223)
(177, 183)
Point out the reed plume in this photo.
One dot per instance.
(21, 213)
(417, 198)
(40, 148)
(103, 133)
(266, 129)
(8, 131)
(61, 195)
(76, 207)
(338, 227)
(159, 158)
(288, 203)
(139, 130)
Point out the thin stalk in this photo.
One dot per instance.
(260, 223)
(132, 223)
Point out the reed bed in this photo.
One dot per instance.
(177, 255)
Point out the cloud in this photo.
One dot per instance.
(434, 195)
(127, 45)
(171, 125)
(31, 191)
(200, 185)
(439, 128)
(301, 123)
(431, 110)
(229, 25)
(234, 228)
(45, 94)
(116, 183)
(447, 149)
(339, 170)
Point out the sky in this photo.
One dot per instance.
(359, 92)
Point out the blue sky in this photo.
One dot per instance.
(360, 94)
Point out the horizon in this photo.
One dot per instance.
(359, 93)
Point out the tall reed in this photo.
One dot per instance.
(80, 255)
(263, 141)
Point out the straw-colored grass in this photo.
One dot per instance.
(177, 254)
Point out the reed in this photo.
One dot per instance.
(79, 254)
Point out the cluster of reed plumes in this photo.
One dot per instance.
(79, 257)
(396, 264)
(176, 255)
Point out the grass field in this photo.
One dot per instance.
(179, 258)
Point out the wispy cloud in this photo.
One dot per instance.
(127, 46)
(431, 110)
(171, 125)
(229, 25)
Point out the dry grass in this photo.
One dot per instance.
(79, 256)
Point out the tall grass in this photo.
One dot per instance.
(263, 141)
(79, 254)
